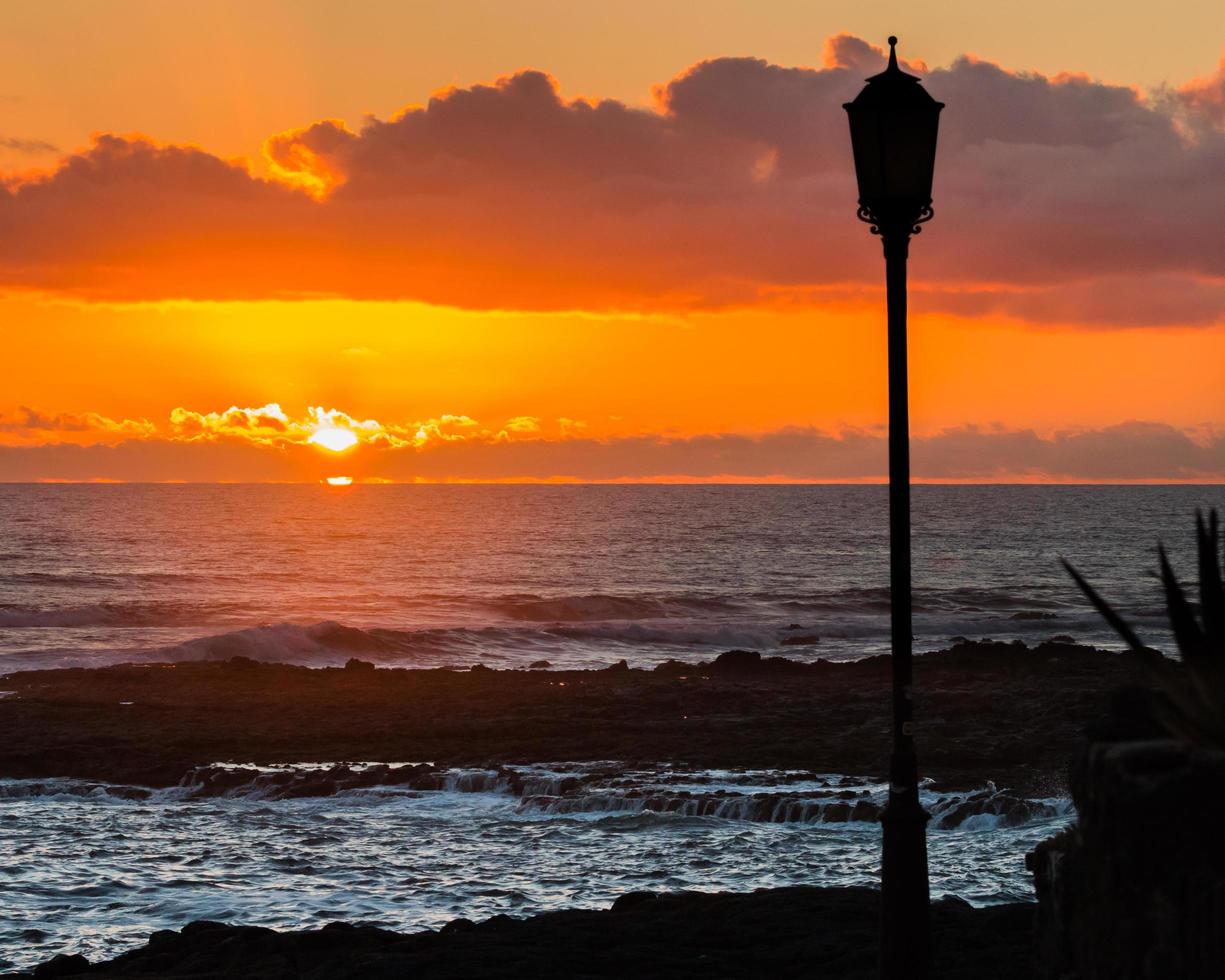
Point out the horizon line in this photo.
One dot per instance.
(632, 482)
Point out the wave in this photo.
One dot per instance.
(475, 611)
(71, 789)
(686, 634)
(596, 792)
(609, 791)
(314, 645)
(332, 643)
(962, 599)
(558, 645)
(104, 580)
(120, 614)
(987, 808)
(586, 608)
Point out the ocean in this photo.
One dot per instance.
(576, 575)
(579, 576)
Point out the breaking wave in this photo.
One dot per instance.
(572, 646)
(603, 791)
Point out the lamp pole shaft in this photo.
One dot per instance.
(906, 945)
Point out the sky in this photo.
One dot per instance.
(578, 241)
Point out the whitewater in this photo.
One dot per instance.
(94, 868)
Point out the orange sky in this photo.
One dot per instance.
(512, 282)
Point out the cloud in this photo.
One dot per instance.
(269, 425)
(733, 188)
(1204, 98)
(18, 145)
(29, 425)
(248, 445)
(523, 423)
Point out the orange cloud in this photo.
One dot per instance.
(523, 423)
(267, 425)
(1205, 97)
(330, 428)
(1131, 451)
(734, 189)
(30, 426)
(302, 157)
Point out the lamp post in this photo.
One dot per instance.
(893, 135)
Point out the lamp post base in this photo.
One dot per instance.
(905, 915)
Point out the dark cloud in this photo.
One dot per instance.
(1059, 199)
(1204, 98)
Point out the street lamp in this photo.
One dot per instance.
(893, 135)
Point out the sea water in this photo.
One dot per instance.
(578, 576)
(94, 869)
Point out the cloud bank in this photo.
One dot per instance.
(267, 444)
(1059, 200)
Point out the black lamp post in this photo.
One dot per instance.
(893, 134)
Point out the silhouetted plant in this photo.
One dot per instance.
(1194, 707)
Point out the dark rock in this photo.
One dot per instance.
(865, 811)
(539, 665)
(1012, 711)
(737, 662)
(829, 933)
(633, 900)
(619, 667)
(354, 664)
(203, 925)
(62, 966)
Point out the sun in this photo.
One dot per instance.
(334, 438)
(340, 481)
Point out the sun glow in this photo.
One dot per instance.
(335, 439)
(340, 481)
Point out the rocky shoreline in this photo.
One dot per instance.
(828, 933)
(1006, 712)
